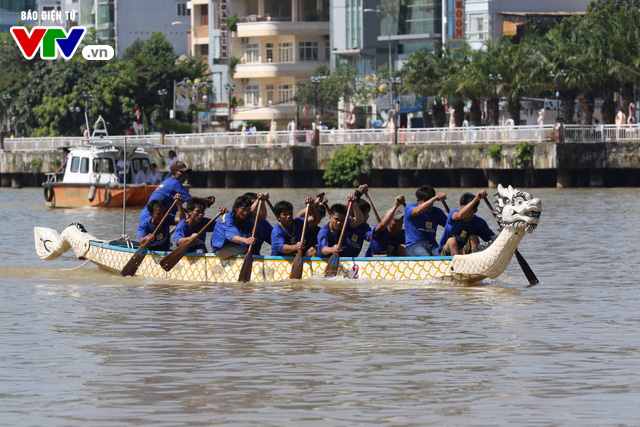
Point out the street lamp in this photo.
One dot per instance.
(6, 100)
(381, 12)
(74, 113)
(88, 98)
(229, 88)
(194, 32)
(494, 79)
(556, 75)
(162, 93)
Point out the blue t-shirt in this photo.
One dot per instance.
(355, 241)
(162, 241)
(422, 228)
(327, 238)
(461, 230)
(166, 190)
(281, 237)
(311, 236)
(263, 234)
(384, 243)
(185, 230)
(227, 227)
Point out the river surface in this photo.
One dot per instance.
(84, 348)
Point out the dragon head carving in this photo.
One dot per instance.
(517, 209)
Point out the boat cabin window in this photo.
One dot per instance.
(103, 165)
(75, 163)
(137, 164)
(84, 166)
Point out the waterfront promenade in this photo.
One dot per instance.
(576, 156)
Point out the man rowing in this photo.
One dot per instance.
(329, 235)
(171, 186)
(464, 228)
(233, 233)
(387, 237)
(286, 237)
(421, 222)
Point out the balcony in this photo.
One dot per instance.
(276, 69)
(281, 28)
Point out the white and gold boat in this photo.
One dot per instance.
(517, 211)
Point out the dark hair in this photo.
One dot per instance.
(321, 210)
(151, 207)
(251, 195)
(338, 208)
(171, 151)
(153, 164)
(426, 192)
(282, 207)
(241, 202)
(364, 205)
(466, 198)
(194, 202)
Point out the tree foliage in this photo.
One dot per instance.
(348, 167)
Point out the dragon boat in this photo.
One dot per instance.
(517, 212)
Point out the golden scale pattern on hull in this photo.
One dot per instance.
(212, 269)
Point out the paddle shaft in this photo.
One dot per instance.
(332, 267)
(373, 208)
(296, 267)
(247, 263)
(176, 255)
(132, 265)
(524, 265)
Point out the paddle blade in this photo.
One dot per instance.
(332, 266)
(247, 266)
(528, 272)
(132, 265)
(172, 259)
(296, 267)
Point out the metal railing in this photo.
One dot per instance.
(465, 135)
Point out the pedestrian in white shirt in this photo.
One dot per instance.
(170, 158)
(156, 175)
(143, 176)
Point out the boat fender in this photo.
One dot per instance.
(107, 196)
(48, 193)
(92, 193)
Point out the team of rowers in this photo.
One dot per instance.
(246, 224)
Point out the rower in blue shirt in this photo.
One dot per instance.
(286, 237)
(171, 186)
(188, 228)
(387, 237)
(156, 209)
(421, 222)
(329, 235)
(464, 228)
(233, 232)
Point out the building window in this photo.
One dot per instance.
(308, 51)
(270, 92)
(251, 94)
(285, 93)
(285, 52)
(183, 10)
(477, 27)
(269, 48)
(252, 53)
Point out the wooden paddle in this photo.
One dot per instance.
(375, 212)
(528, 272)
(132, 265)
(247, 263)
(296, 267)
(172, 259)
(332, 266)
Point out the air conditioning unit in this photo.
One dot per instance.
(245, 81)
(245, 40)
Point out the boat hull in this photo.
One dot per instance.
(209, 268)
(77, 195)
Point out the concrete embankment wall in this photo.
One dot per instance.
(442, 165)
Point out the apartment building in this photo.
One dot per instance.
(278, 43)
